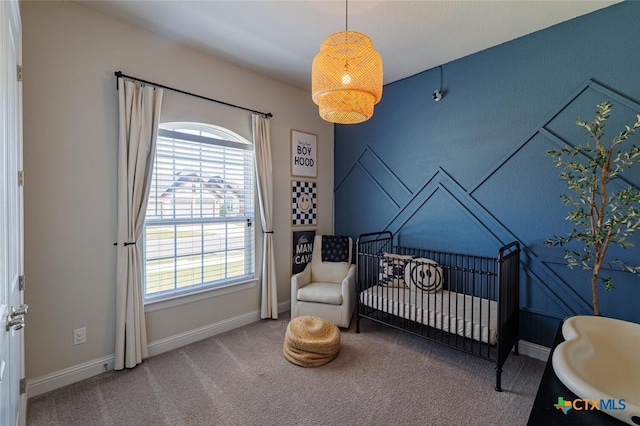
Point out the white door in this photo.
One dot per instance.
(12, 310)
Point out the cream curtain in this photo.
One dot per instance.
(264, 171)
(139, 112)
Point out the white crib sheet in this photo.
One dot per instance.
(468, 316)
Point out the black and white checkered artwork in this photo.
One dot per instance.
(303, 202)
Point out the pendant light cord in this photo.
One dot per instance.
(346, 15)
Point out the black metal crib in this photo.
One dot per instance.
(470, 303)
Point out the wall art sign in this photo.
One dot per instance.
(301, 249)
(303, 203)
(304, 160)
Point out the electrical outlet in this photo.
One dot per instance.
(79, 335)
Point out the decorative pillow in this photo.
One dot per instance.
(391, 271)
(335, 248)
(423, 275)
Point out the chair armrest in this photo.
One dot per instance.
(348, 296)
(349, 284)
(300, 279)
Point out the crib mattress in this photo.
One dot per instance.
(467, 316)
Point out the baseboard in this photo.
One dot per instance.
(201, 333)
(534, 350)
(192, 336)
(67, 376)
(70, 375)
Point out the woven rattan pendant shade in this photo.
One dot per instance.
(346, 78)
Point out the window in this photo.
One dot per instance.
(198, 233)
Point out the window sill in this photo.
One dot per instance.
(181, 299)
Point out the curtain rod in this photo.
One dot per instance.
(120, 74)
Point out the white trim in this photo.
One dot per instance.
(70, 375)
(201, 333)
(67, 376)
(534, 350)
(89, 369)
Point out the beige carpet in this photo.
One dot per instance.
(380, 377)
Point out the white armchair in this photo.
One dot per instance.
(325, 289)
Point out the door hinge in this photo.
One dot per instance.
(20, 177)
(19, 72)
(23, 386)
(21, 282)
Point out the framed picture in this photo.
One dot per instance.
(303, 203)
(304, 160)
(301, 249)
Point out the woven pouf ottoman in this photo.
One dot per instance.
(311, 341)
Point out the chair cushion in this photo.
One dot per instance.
(328, 272)
(320, 292)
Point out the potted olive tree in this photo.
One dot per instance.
(601, 216)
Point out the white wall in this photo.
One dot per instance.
(70, 145)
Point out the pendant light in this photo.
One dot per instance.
(346, 77)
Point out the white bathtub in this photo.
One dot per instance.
(600, 361)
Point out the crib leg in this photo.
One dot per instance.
(357, 323)
(498, 379)
(515, 349)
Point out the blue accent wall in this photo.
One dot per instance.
(470, 172)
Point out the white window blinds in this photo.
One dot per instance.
(199, 226)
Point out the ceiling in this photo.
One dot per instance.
(280, 38)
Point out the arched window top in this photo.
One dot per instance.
(204, 130)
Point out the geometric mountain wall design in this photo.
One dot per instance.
(384, 202)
